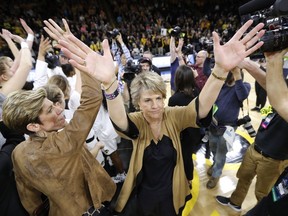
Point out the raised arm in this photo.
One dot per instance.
(18, 80)
(227, 57)
(7, 36)
(30, 33)
(179, 53)
(41, 76)
(254, 69)
(277, 90)
(100, 66)
(172, 47)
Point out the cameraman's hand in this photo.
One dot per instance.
(230, 54)
(271, 56)
(119, 38)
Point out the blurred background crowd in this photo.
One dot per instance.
(144, 25)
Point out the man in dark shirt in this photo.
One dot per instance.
(267, 157)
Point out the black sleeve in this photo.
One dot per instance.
(156, 69)
(207, 67)
(132, 131)
(204, 122)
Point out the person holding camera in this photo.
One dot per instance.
(203, 67)
(275, 203)
(121, 54)
(149, 55)
(226, 112)
(267, 157)
(261, 94)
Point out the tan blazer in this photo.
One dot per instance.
(61, 167)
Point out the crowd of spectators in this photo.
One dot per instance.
(144, 25)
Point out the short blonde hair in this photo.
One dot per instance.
(146, 81)
(22, 108)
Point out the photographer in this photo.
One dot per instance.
(203, 67)
(120, 52)
(130, 72)
(149, 55)
(267, 157)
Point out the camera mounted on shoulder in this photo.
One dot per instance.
(274, 15)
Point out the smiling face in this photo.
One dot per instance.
(52, 117)
(151, 104)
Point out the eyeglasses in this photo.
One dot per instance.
(200, 56)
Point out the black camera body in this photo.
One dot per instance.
(113, 34)
(275, 19)
(52, 60)
(246, 122)
(187, 50)
(176, 32)
(130, 71)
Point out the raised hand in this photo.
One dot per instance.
(17, 38)
(44, 46)
(80, 55)
(6, 34)
(85, 59)
(229, 55)
(26, 27)
(29, 32)
(56, 32)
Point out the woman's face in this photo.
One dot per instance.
(151, 104)
(52, 118)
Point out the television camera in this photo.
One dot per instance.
(274, 15)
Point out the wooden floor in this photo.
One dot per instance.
(203, 202)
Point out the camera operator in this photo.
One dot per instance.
(132, 70)
(267, 157)
(189, 54)
(275, 204)
(149, 55)
(121, 54)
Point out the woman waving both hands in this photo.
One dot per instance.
(156, 171)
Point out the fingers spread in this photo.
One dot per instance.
(56, 26)
(78, 43)
(256, 38)
(252, 33)
(53, 32)
(242, 30)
